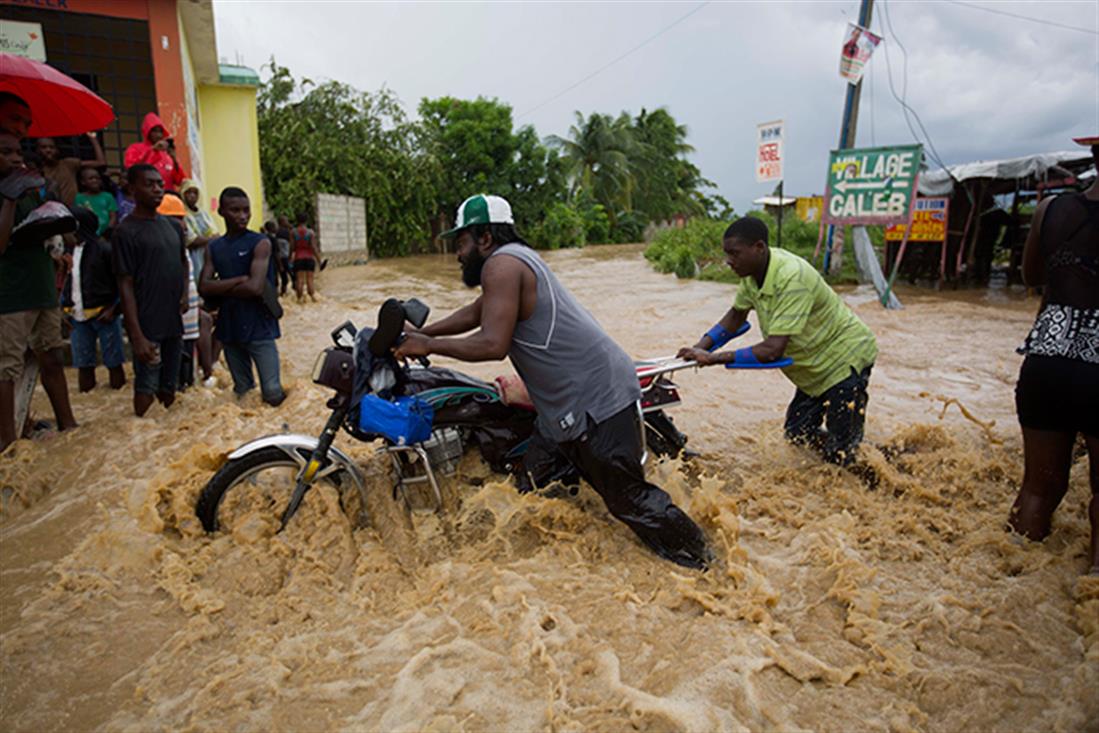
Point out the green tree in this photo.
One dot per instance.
(597, 157)
(665, 178)
(478, 152)
(333, 138)
(637, 169)
(472, 143)
(537, 178)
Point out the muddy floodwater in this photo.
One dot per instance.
(832, 608)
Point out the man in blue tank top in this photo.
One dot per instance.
(582, 383)
(237, 271)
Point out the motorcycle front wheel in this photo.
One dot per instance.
(260, 483)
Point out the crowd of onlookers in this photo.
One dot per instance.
(133, 257)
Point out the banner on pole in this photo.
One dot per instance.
(929, 220)
(858, 45)
(769, 138)
(872, 185)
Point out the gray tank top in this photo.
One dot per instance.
(572, 369)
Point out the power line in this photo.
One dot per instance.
(1032, 19)
(606, 66)
(901, 99)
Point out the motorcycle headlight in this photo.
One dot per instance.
(335, 368)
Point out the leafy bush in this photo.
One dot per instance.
(695, 251)
(629, 226)
(688, 250)
(562, 227)
(597, 225)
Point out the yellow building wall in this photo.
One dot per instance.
(230, 146)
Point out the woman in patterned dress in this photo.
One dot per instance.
(1057, 395)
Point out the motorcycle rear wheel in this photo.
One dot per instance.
(244, 473)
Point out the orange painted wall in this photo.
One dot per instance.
(168, 68)
(167, 62)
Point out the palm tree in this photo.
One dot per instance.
(668, 181)
(659, 125)
(597, 155)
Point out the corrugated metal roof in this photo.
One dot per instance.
(232, 74)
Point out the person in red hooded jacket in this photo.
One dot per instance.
(156, 151)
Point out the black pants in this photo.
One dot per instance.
(608, 456)
(284, 272)
(842, 408)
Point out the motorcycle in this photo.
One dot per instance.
(497, 418)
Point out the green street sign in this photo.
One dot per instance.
(872, 185)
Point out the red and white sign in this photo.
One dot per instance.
(769, 137)
(858, 46)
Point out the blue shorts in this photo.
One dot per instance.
(84, 336)
(161, 378)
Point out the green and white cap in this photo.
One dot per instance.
(480, 209)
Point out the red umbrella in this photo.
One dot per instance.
(59, 104)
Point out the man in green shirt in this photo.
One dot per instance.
(801, 318)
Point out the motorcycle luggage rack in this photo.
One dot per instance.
(412, 453)
(438, 449)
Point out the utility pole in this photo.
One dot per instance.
(849, 125)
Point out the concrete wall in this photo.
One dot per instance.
(230, 145)
(341, 226)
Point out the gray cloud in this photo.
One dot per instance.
(986, 86)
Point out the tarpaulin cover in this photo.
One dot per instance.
(939, 183)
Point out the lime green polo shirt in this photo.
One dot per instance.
(827, 340)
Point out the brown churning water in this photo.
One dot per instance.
(833, 608)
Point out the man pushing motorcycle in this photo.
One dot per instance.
(582, 383)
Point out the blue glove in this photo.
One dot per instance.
(720, 336)
(746, 359)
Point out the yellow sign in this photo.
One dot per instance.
(809, 208)
(929, 222)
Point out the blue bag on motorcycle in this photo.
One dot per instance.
(403, 421)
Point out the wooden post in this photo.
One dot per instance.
(897, 262)
(961, 244)
(1013, 231)
(820, 239)
(781, 206)
(850, 123)
(971, 249)
(942, 259)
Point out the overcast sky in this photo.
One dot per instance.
(985, 85)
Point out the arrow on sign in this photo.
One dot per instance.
(844, 186)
